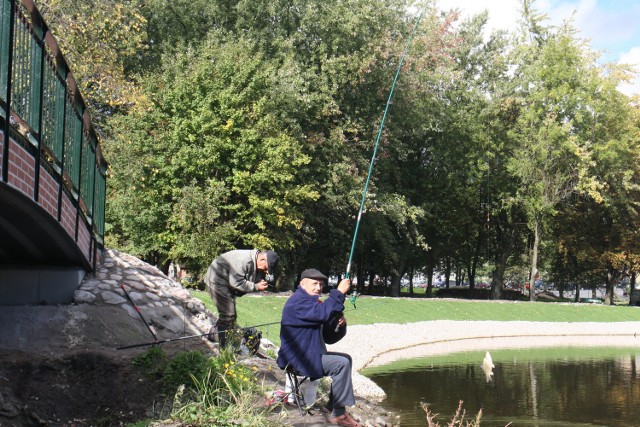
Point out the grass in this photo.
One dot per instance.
(259, 309)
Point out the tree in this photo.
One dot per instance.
(100, 40)
(212, 166)
(603, 218)
(551, 157)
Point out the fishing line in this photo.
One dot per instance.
(375, 147)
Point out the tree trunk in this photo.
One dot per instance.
(291, 277)
(397, 277)
(534, 260)
(395, 285)
(612, 277)
(447, 272)
(411, 281)
(474, 261)
(372, 277)
(430, 268)
(608, 292)
(505, 236)
(497, 281)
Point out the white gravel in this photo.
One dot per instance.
(381, 343)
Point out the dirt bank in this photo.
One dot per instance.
(59, 366)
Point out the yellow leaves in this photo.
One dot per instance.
(228, 126)
(592, 187)
(96, 38)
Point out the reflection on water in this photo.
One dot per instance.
(533, 387)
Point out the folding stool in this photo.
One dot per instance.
(298, 397)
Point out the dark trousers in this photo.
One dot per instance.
(225, 302)
(338, 367)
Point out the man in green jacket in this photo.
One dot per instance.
(233, 274)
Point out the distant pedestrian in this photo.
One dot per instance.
(234, 274)
(172, 271)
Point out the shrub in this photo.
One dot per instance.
(226, 393)
(183, 368)
(153, 361)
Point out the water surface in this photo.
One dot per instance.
(556, 386)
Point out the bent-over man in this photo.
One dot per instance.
(234, 274)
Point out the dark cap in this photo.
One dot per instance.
(312, 273)
(272, 261)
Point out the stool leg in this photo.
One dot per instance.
(295, 389)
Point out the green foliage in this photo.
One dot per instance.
(153, 360)
(220, 394)
(197, 411)
(222, 170)
(559, 139)
(208, 390)
(184, 369)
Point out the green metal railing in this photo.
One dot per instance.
(38, 93)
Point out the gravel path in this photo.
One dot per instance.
(377, 344)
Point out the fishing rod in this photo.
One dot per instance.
(354, 296)
(156, 342)
(153, 333)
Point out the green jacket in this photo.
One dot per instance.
(235, 269)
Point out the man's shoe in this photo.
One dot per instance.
(344, 420)
(355, 423)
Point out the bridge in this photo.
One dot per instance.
(52, 172)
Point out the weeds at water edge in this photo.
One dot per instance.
(458, 419)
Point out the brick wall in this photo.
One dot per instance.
(68, 218)
(84, 240)
(48, 192)
(21, 168)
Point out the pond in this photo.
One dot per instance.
(555, 386)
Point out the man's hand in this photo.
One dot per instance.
(262, 285)
(342, 321)
(344, 286)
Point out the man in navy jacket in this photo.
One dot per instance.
(307, 325)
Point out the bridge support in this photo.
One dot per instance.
(39, 285)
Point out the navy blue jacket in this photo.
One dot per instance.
(307, 324)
